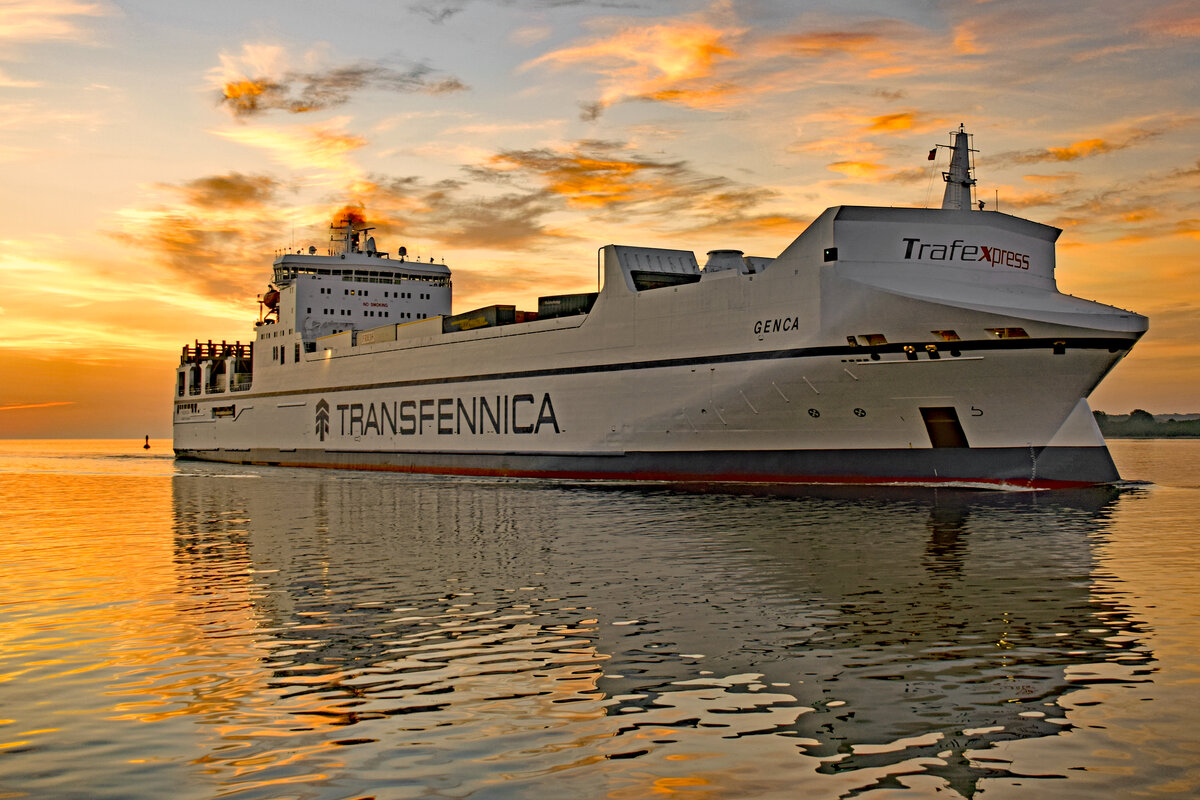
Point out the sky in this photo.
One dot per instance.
(156, 155)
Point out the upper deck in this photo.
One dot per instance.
(355, 263)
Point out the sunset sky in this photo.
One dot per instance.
(156, 154)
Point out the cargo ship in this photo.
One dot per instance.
(882, 346)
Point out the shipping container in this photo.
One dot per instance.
(385, 333)
(335, 341)
(485, 317)
(565, 305)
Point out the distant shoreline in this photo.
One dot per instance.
(1143, 425)
(1151, 435)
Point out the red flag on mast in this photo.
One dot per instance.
(933, 154)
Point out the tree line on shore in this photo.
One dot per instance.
(1140, 424)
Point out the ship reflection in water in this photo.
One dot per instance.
(400, 637)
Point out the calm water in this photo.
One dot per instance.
(192, 631)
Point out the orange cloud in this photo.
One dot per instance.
(858, 169)
(1177, 21)
(901, 121)
(232, 190)
(1127, 213)
(839, 141)
(875, 48)
(322, 147)
(1010, 199)
(673, 61)
(824, 44)
(861, 144)
(444, 212)
(208, 238)
(245, 96)
(258, 81)
(909, 175)
(603, 175)
(298, 93)
(966, 40)
(893, 71)
(610, 180)
(584, 181)
(780, 226)
(706, 62)
(23, 21)
(20, 406)
(116, 306)
(1189, 228)
(1056, 178)
(508, 222)
(1087, 148)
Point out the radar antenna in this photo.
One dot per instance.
(349, 235)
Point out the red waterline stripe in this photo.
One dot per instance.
(688, 478)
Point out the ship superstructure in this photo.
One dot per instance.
(883, 345)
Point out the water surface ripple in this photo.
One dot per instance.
(205, 631)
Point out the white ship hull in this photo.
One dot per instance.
(884, 345)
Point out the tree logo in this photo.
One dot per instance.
(322, 418)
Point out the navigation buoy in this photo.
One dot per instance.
(146, 446)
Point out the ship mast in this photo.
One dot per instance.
(958, 179)
(350, 237)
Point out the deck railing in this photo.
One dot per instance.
(204, 351)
